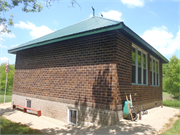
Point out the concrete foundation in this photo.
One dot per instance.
(59, 111)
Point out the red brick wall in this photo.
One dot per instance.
(81, 70)
(144, 93)
(95, 70)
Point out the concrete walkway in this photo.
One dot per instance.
(150, 124)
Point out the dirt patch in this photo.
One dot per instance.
(167, 96)
(169, 124)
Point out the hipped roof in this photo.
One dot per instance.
(89, 26)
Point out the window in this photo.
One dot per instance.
(133, 65)
(28, 104)
(151, 70)
(139, 66)
(72, 116)
(154, 71)
(144, 68)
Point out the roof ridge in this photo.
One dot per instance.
(108, 19)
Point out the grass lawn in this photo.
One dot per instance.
(172, 101)
(175, 130)
(8, 127)
(8, 98)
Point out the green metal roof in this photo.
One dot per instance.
(89, 26)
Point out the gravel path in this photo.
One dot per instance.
(151, 123)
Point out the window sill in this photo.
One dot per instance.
(139, 84)
(155, 85)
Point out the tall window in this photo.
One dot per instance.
(154, 76)
(144, 68)
(133, 65)
(154, 71)
(157, 73)
(151, 70)
(139, 65)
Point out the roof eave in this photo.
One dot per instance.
(120, 26)
(133, 35)
(95, 31)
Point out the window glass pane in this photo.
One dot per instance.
(157, 70)
(154, 79)
(73, 116)
(151, 77)
(156, 67)
(144, 60)
(144, 76)
(150, 64)
(133, 55)
(139, 59)
(153, 65)
(139, 75)
(151, 70)
(133, 74)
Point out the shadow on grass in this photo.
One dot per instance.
(8, 127)
(124, 128)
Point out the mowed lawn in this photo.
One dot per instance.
(172, 101)
(8, 98)
(174, 130)
(8, 127)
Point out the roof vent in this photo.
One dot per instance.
(93, 11)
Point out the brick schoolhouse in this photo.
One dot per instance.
(83, 72)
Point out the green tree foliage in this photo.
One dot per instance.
(7, 5)
(171, 76)
(3, 76)
(28, 6)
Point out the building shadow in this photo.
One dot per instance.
(97, 111)
(6, 111)
(124, 128)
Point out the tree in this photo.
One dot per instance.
(28, 6)
(171, 76)
(3, 76)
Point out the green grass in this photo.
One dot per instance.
(8, 92)
(174, 130)
(8, 98)
(170, 103)
(8, 127)
(174, 103)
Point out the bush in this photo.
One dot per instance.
(174, 103)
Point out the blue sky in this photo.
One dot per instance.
(156, 21)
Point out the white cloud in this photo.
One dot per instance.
(113, 14)
(3, 59)
(162, 40)
(133, 3)
(35, 32)
(2, 46)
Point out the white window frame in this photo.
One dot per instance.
(156, 61)
(136, 64)
(68, 117)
